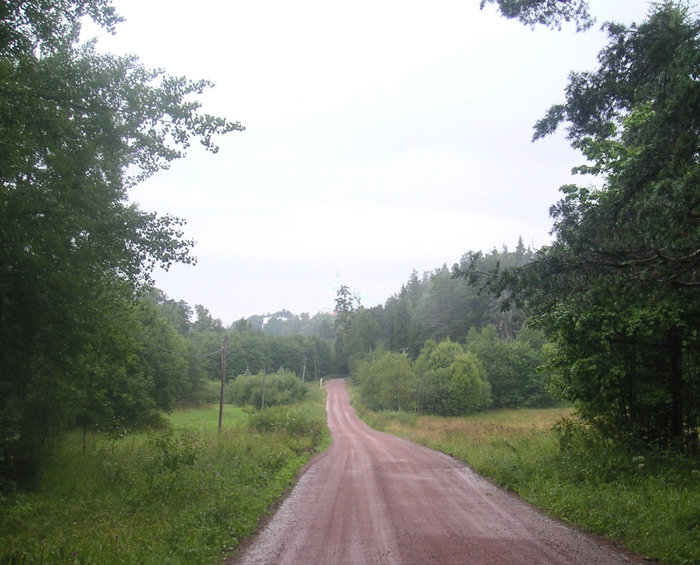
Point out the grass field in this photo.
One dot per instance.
(647, 502)
(207, 418)
(187, 494)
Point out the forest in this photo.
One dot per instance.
(605, 318)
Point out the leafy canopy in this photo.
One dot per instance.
(79, 127)
(617, 289)
(551, 13)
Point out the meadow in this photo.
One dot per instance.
(182, 494)
(647, 502)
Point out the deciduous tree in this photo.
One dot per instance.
(78, 127)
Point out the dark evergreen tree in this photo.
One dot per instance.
(617, 290)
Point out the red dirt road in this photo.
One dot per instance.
(373, 498)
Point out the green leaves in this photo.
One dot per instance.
(616, 289)
(550, 13)
(43, 26)
(386, 382)
(79, 127)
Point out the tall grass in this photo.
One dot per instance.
(648, 502)
(183, 495)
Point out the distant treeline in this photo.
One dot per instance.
(436, 305)
(250, 350)
(441, 344)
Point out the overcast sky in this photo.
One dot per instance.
(382, 136)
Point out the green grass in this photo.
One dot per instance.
(208, 418)
(647, 502)
(187, 494)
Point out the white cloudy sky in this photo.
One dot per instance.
(382, 136)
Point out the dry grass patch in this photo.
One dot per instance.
(478, 429)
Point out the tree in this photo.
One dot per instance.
(617, 290)
(282, 387)
(362, 336)
(440, 304)
(319, 357)
(386, 382)
(469, 389)
(511, 367)
(344, 308)
(433, 372)
(205, 322)
(247, 352)
(400, 326)
(551, 13)
(179, 313)
(78, 128)
(28, 25)
(282, 323)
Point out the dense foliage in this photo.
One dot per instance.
(437, 306)
(78, 127)
(284, 322)
(450, 378)
(617, 291)
(249, 350)
(442, 344)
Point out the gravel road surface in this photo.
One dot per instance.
(373, 498)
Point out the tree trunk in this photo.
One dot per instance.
(675, 349)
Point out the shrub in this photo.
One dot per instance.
(283, 387)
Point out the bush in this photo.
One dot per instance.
(295, 421)
(281, 388)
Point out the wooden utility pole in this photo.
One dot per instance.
(224, 348)
(263, 390)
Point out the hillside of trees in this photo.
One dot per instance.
(443, 344)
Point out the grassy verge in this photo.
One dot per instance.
(648, 502)
(184, 495)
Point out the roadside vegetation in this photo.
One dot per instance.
(647, 501)
(181, 494)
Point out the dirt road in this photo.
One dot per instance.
(373, 498)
